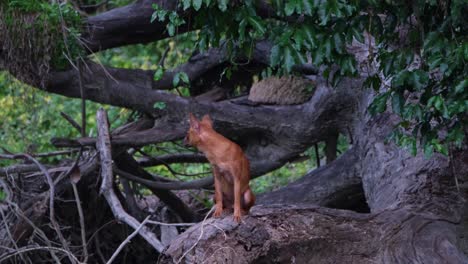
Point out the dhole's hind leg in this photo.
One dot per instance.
(248, 200)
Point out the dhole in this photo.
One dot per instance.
(229, 164)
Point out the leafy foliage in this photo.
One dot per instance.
(426, 66)
(427, 72)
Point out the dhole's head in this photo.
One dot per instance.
(196, 129)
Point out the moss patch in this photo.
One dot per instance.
(37, 36)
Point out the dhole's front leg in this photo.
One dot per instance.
(237, 200)
(218, 192)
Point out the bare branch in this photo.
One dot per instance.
(71, 121)
(20, 168)
(104, 147)
(34, 248)
(51, 198)
(127, 240)
(172, 158)
(127, 163)
(82, 222)
(196, 184)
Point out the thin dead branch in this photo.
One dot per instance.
(20, 168)
(172, 158)
(82, 222)
(127, 240)
(35, 248)
(199, 237)
(71, 121)
(104, 147)
(53, 221)
(176, 185)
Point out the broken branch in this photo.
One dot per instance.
(104, 147)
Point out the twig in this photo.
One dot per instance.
(39, 231)
(27, 249)
(149, 161)
(170, 224)
(51, 199)
(317, 156)
(98, 249)
(55, 153)
(127, 240)
(104, 146)
(6, 190)
(71, 121)
(171, 170)
(20, 168)
(100, 228)
(130, 199)
(199, 237)
(176, 185)
(83, 102)
(7, 228)
(163, 57)
(82, 222)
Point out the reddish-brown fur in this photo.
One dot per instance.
(229, 164)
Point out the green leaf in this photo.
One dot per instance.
(171, 29)
(2, 195)
(184, 77)
(307, 4)
(197, 4)
(338, 41)
(400, 79)
(373, 82)
(154, 16)
(257, 25)
(357, 34)
(222, 5)
(439, 103)
(441, 148)
(328, 48)
(275, 56)
(288, 59)
(162, 15)
(379, 104)
(317, 57)
(460, 87)
(158, 74)
(159, 105)
(428, 150)
(277, 4)
(309, 36)
(398, 103)
(176, 80)
(420, 79)
(186, 4)
(289, 7)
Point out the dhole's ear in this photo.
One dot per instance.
(207, 120)
(194, 123)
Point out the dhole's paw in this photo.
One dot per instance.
(218, 212)
(237, 217)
